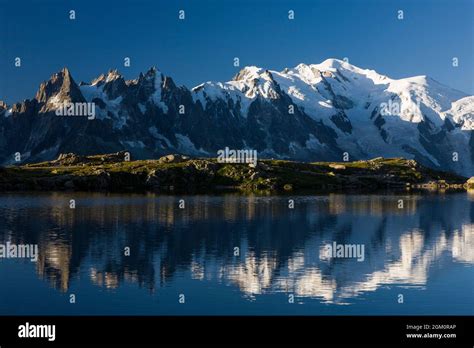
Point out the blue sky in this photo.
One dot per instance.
(202, 47)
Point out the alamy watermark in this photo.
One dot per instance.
(19, 251)
(237, 156)
(393, 108)
(28, 330)
(77, 109)
(343, 251)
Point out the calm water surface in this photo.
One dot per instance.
(424, 252)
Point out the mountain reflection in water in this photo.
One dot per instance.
(279, 248)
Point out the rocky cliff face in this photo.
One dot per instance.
(311, 113)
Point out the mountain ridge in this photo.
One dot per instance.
(309, 112)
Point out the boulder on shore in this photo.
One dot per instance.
(337, 166)
(68, 159)
(173, 158)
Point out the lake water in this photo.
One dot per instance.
(421, 255)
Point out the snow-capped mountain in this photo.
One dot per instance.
(310, 112)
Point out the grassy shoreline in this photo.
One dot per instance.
(176, 173)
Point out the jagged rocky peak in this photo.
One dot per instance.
(147, 84)
(60, 88)
(153, 71)
(155, 74)
(168, 83)
(112, 75)
(99, 80)
(114, 84)
(25, 107)
(149, 77)
(3, 105)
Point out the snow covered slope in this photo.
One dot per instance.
(372, 114)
